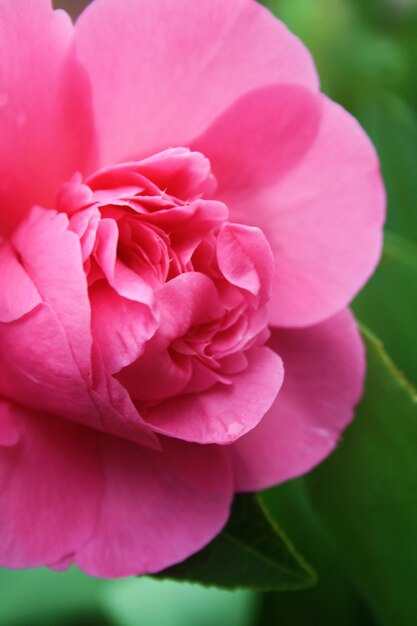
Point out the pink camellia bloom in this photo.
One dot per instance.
(184, 219)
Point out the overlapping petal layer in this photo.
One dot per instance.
(302, 169)
(324, 372)
(46, 123)
(116, 509)
(178, 65)
(52, 466)
(46, 352)
(157, 508)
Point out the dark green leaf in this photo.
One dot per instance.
(385, 12)
(392, 126)
(388, 304)
(334, 600)
(251, 552)
(366, 492)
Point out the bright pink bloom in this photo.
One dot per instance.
(184, 219)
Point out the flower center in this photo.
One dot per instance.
(153, 233)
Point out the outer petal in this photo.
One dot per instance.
(45, 117)
(50, 487)
(51, 256)
(259, 139)
(321, 208)
(146, 97)
(45, 355)
(158, 507)
(324, 371)
(38, 370)
(9, 429)
(224, 412)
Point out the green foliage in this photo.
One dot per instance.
(28, 598)
(334, 600)
(149, 602)
(392, 125)
(361, 533)
(366, 493)
(359, 49)
(251, 552)
(44, 597)
(355, 516)
(394, 288)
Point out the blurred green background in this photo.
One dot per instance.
(355, 517)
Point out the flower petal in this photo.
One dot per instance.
(157, 83)
(9, 430)
(324, 371)
(327, 231)
(38, 370)
(120, 327)
(258, 140)
(50, 487)
(187, 300)
(226, 411)
(51, 256)
(315, 191)
(158, 507)
(18, 293)
(45, 107)
(46, 355)
(245, 258)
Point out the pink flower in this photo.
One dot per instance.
(184, 220)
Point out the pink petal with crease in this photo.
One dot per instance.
(9, 430)
(324, 371)
(313, 185)
(245, 258)
(225, 412)
(53, 466)
(158, 507)
(18, 293)
(45, 108)
(120, 327)
(133, 75)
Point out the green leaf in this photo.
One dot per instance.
(251, 552)
(324, 26)
(44, 597)
(388, 304)
(334, 600)
(366, 492)
(392, 126)
(329, 29)
(71, 597)
(150, 602)
(385, 12)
